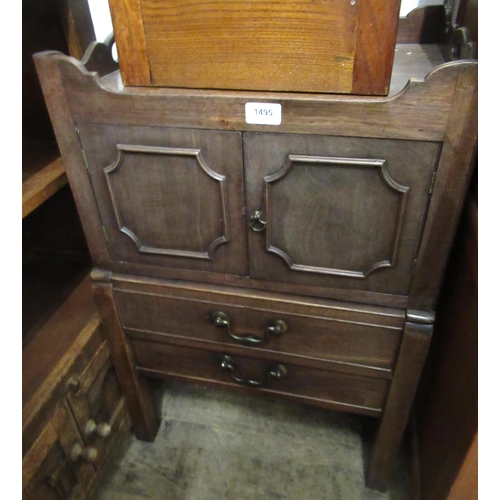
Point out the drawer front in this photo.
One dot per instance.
(307, 330)
(321, 387)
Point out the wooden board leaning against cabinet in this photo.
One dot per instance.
(222, 257)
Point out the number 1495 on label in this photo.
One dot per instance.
(259, 113)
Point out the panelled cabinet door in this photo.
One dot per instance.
(336, 211)
(169, 197)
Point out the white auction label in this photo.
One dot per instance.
(263, 113)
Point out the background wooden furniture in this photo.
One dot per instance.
(340, 46)
(63, 25)
(74, 415)
(55, 254)
(62, 336)
(447, 404)
(445, 425)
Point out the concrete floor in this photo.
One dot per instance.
(218, 445)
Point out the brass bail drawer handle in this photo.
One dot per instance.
(276, 371)
(257, 223)
(274, 327)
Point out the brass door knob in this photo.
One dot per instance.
(87, 454)
(102, 430)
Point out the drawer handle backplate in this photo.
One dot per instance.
(276, 371)
(274, 327)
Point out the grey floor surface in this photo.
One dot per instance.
(215, 444)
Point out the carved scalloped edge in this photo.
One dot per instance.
(196, 153)
(304, 97)
(79, 65)
(98, 57)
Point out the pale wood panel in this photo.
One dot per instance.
(41, 181)
(254, 45)
(375, 40)
(130, 39)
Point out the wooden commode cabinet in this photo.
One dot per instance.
(302, 259)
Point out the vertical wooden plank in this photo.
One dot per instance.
(144, 410)
(77, 25)
(414, 347)
(453, 175)
(466, 484)
(375, 42)
(130, 39)
(47, 66)
(446, 405)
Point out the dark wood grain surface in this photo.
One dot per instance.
(414, 347)
(446, 405)
(454, 172)
(418, 113)
(378, 156)
(169, 197)
(311, 333)
(340, 212)
(142, 407)
(351, 392)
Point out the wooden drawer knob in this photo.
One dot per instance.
(102, 430)
(87, 454)
(74, 384)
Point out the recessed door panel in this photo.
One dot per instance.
(169, 197)
(342, 212)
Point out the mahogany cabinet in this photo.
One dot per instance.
(302, 259)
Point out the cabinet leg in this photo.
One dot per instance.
(414, 347)
(143, 408)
